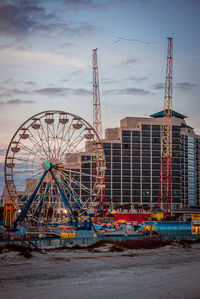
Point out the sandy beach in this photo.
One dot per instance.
(169, 272)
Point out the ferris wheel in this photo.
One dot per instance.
(49, 167)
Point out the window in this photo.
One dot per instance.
(116, 186)
(146, 166)
(126, 159)
(145, 140)
(136, 173)
(145, 133)
(135, 166)
(146, 179)
(145, 127)
(116, 146)
(146, 153)
(116, 159)
(116, 192)
(136, 186)
(125, 152)
(136, 179)
(156, 147)
(126, 192)
(146, 173)
(155, 128)
(146, 147)
(156, 140)
(107, 152)
(135, 146)
(125, 146)
(116, 179)
(126, 133)
(136, 140)
(136, 159)
(126, 139)
(126, 172)
(116, 165)
(135, 133)
(145, 159)
(106, 145)
(126, 165)
(156, 134)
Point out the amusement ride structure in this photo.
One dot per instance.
(165, 186)
(97, 124)
(45, 168)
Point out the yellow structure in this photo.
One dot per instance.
(8, 215)
(158, 216)
(68, 233)
(196, 224)
(147, 228)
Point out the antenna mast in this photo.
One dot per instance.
(97, 124)
(165, 187)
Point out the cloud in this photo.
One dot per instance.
(110, 81)
(121, 39)
(71, 28)
(131, 61)
(184, 86)
(137, 79)
(159, 86)
(18, 19)
(23, 57)
(81, 4)
(66, 46)
(16, 102)
(129, 91)
(12, 92)
(61, 91)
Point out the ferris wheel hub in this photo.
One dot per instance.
(46, 165)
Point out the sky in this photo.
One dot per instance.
(46, 59)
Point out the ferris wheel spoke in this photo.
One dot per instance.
(81, 150)
(40, 143)
(33, 176)
(74, 142)
(76, 172)
(68, 130)
(28, 149)
(37, 146)
(61, 139)
(26, 171)
(77, 183)
(72, 193)
(55, 139)
(64, 137)
(30, 189)
(46, 138)
(26, 161)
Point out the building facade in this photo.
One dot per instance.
(132, 154)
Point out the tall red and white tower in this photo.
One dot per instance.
(97, 124)
(165, 188)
